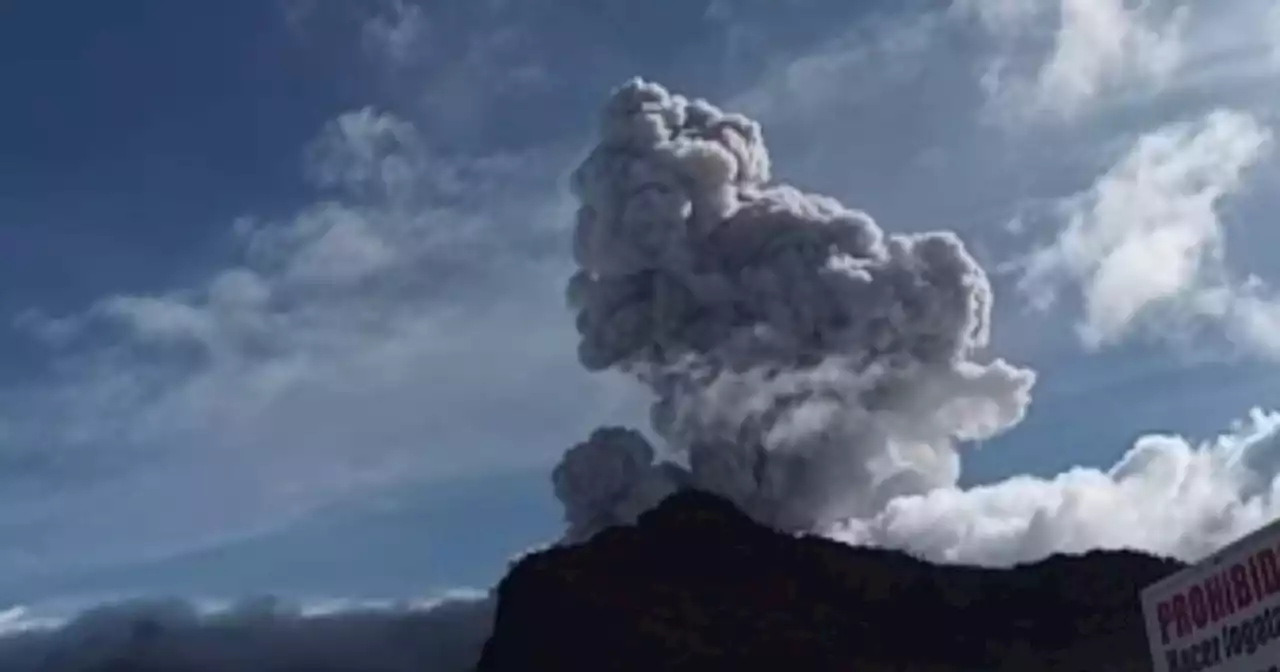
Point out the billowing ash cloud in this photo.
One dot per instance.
(806, 364)
(255, 636)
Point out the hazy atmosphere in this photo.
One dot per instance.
(351, 304)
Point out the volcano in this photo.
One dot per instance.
(695, 584)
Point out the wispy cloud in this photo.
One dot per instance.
(1149, 245)
(451, 65)
(372, 336)
(1095, 47)
(1146, 243)
(1064, 60)
(263, 634)
(397, 32)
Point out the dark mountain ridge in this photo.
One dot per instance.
(697, 585)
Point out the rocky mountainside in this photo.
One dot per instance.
(696, 585)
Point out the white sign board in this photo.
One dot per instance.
(1222, 614)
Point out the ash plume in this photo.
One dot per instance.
(805, 363)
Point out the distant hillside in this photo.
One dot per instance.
(696, 585)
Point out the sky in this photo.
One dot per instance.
(282, 284)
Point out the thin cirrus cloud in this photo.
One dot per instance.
(364, 340)
(397, 33)
(1065, 60)
(1094, 47)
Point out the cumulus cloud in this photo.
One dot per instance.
(257, 635)
(1146, 244)
(1166, 495)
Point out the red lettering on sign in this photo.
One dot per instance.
(1199, 610)
(1256, 584)
(1240, 585)
(1220, 595)
(1216, 596)
(1270, 571)
(1181, 620)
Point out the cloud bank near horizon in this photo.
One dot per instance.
(252, 635)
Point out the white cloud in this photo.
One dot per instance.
(365, 150)
(1095, 47)
(366, 339)
(253, 635)
(862, 59)
(1065, 59)
(1146, 242)
(1271, 32)
(1165, 496)
(328, 245)
(1234, 44)
(978, 175)
(1000, 17)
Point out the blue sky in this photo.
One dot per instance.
(281, 283)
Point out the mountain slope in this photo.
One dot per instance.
(696, 585)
